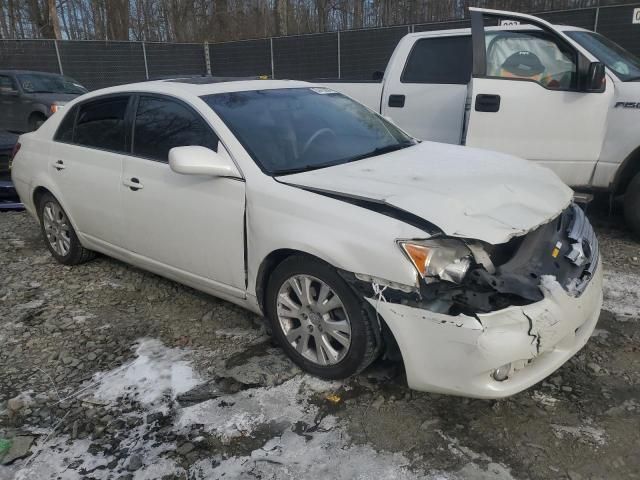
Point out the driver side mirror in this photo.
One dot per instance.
(595, 79)
(196, 160)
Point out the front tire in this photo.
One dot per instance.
(318, 320)
(58, 233)
(632, 205)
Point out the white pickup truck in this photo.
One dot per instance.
(565, 97)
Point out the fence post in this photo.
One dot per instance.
(55, 43)
(595, 26)
(207, 58)
(339, 59)
(146, 65)
(273, 71)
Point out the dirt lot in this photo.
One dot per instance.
(110, 372)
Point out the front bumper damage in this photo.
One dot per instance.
(457, 351)
(457, 354)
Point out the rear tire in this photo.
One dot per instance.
(632, 205)
(326, 357)
(58, 233)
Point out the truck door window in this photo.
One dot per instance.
(445, 60)
(531, 55)
(7, 85)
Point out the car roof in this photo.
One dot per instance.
(189, 86)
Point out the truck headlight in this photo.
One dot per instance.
(446, 259)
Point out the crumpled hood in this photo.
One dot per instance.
(465, 192)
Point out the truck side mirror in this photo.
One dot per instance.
(595, 79)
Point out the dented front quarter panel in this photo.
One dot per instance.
(457, 354)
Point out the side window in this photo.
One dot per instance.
(440, 60)
(7, 85)
(535, 56)
(65, 129)
(101, 124)
(162, 124)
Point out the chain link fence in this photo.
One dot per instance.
(350, 55)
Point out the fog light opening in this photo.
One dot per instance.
(500, 374)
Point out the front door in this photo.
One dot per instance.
(193, 224)
(526, 100)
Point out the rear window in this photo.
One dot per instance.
(65, 130)
(101, 124)
(446, 60)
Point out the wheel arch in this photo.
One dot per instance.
(628, 169)
(269, 264)
(42, 189)
(384, 335)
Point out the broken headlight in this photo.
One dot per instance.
(445, 259)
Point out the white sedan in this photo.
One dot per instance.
(294, 201)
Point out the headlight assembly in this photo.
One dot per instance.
(445, 259)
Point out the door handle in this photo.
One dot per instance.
(133, 183)
(59, 165)
(396, 101)
(487, 103)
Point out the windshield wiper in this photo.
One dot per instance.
(372, 153)
(42, 91)
(633, 79)
(380, 151)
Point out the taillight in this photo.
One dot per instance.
(14, 152)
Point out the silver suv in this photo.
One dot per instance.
(28, 98)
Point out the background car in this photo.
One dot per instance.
(28, 98)
(8, 197)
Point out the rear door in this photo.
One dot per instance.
(86, 164)
(193, 224)
(427, 96)
(525, 97)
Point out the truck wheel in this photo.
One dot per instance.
(58, 233)
(35, 121)
(632, 205)
(318, 320)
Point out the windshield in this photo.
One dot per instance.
(298, 129)
(43, 83)
(624, 64)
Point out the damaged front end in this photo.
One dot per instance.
(481, 315)
(462, 276)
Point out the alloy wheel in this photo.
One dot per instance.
(314, 320)
(56, 228)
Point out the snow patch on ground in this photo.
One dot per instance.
(584, 433)
(240, 414)
(621, 294)
(544, 399)
(155, 376)
(56, 455)
(326, 454)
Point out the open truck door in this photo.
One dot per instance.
(535, 95)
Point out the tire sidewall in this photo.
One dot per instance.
(632, 205)
(300, 265)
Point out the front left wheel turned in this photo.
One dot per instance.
(58, 233)
(318, 320)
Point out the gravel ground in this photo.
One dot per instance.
(111, 372)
